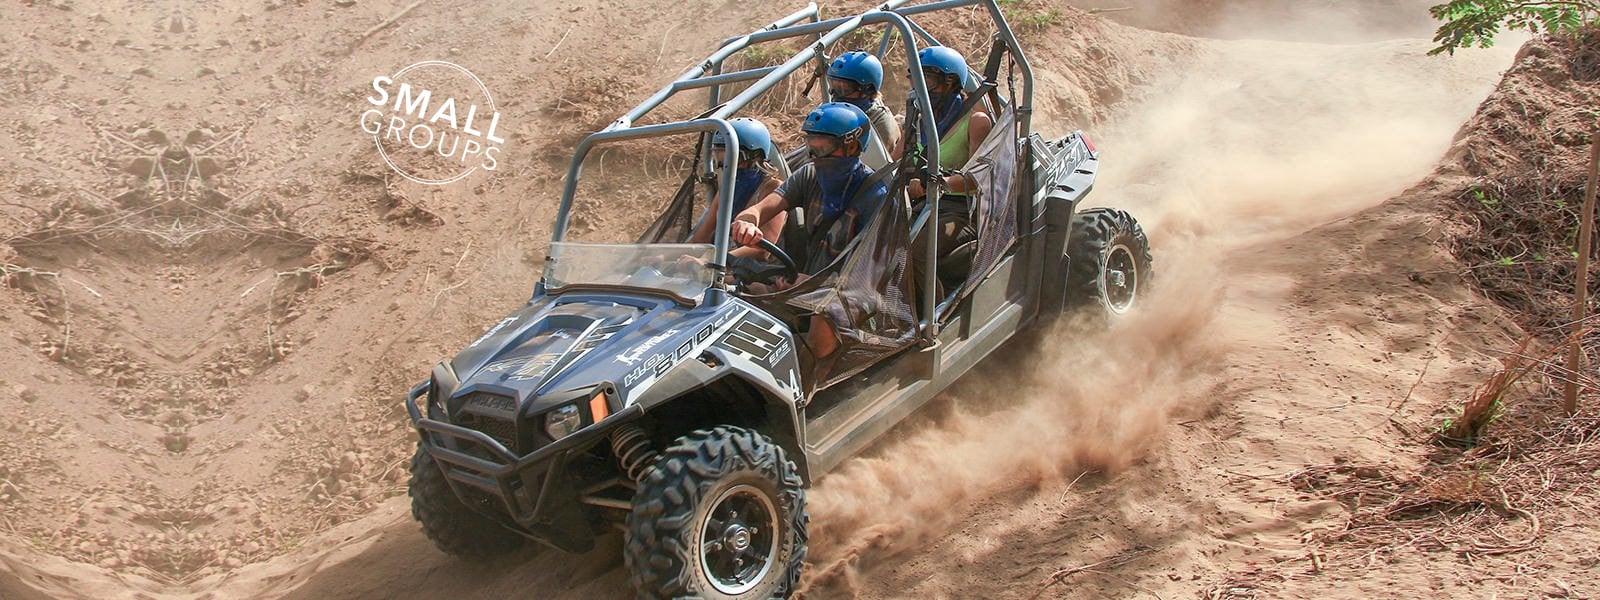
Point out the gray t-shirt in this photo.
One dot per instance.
(802, 189)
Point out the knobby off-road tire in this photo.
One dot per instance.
(715, 496)
(446, 520)
(1108, 262)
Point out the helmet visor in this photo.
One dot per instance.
(936, 79)
(844, 88)
(822, 145)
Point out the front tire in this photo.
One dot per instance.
(453, 526)
(720, 516)
(1108, 262)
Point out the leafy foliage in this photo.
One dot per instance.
(1030, 16)
(1469, 23)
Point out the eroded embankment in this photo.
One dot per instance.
(1221, 148)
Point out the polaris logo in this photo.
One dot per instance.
(637, 353)
(492, 402)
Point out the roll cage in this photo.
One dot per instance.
(824, 33)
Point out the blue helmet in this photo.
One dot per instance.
(839, 119)
(861, 67)
(753, 138)
(945, 60)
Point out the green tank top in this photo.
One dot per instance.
(953, 148)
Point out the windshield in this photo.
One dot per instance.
(679, 269)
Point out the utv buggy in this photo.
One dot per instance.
(641, 388)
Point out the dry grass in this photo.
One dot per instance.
(1487, 501)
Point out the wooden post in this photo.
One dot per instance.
(1580, 305)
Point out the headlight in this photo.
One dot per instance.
(562, 422)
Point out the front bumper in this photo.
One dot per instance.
(536, 493)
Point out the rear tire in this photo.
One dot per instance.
(450, 523)
(1108, 262)
(720, 516)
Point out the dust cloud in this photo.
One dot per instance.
(1327, 21)
(1095, 404)
(1250, 142)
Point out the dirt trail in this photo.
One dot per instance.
(215, 291)
(1274, 339)
(1243, 148)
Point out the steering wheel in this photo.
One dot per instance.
(789, 267)
(750, 270)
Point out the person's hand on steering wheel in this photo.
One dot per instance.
(779, 284)
(746, 233)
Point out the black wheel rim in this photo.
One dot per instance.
(1119, 280)
(739, 539)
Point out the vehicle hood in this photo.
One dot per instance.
(555, 346)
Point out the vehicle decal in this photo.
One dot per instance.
(506, 365)
(758, 339)
(635, 354)
(794, 386)
(658, 364)
(535, 368)
(523, 368)
(493, 330)
(783, 350)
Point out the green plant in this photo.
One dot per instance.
(1027, 15)
(1469, 23)
(1487, 401)
(762, 55)
(1452, 429)
(1485, 199)
(861, 39)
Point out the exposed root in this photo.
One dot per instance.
(1485, 502)
(1114, 562)
(16, 276)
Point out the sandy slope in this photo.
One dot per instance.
(1251, 144)
(1270, 345)
(1291, 317)
(204, 372)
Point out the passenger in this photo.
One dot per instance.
(959, 135)
(750, 180)
(855, 78)
(831, 189)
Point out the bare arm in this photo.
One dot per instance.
(703, 231)
(747, 225)
(768, 187)
(978, 127)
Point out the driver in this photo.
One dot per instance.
(750, 181)
(830, 190)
